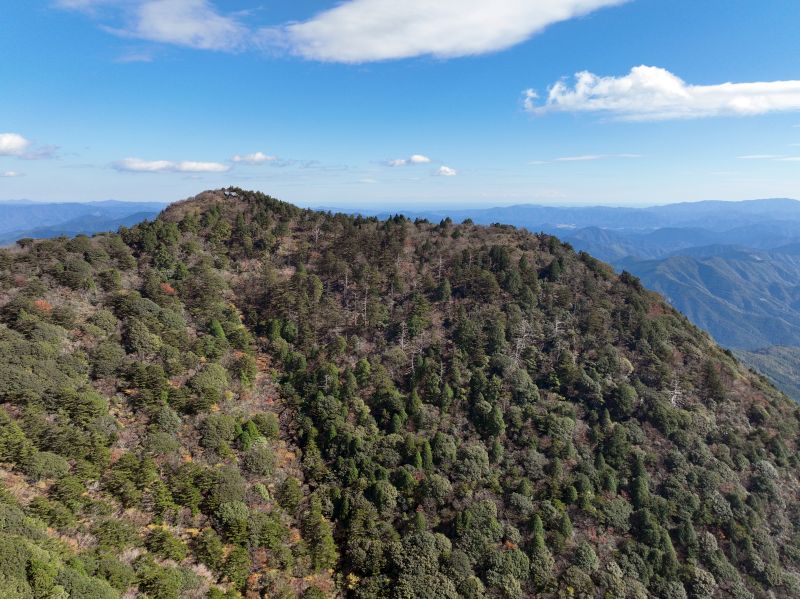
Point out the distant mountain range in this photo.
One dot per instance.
(20, 219)
(732, 267)
(715, 216)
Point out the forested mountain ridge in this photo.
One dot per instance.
(246, 397)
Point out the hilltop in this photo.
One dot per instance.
(245, 398)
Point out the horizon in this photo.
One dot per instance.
(155, 98)
(392, 208)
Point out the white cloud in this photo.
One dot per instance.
(410, 161)
(353, 31)
(652, 93)
(255, 158)
(13, 144)
(201, 167)
(10, 174)
(136, 165)
(761, 157)
(446, 171)
(370, 30)
(192, 23)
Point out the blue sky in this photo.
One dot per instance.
(387, 104)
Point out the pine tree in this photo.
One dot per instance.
(640, 485)
(319, 534)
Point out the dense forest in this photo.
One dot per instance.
(246, 399)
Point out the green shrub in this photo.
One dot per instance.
(45, 464)
(115, 534)
(161, 542)
(208, 386)
(218, 432)
(260, 460)
(267, 424)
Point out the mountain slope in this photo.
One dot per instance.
(744, 298)
(780, 364)
(243, 396)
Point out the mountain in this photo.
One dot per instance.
(711, 216)
(781, 364)
(746, 299)
(243, 397)
(19, 220)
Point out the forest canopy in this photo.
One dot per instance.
(246, 399)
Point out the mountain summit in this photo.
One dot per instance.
(245, 398)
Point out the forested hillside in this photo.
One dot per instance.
(246, 398)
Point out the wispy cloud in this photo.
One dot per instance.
(652, 93)
(255, 158)
(771, 157)
(11, 174)
(189, 23)
(135, 56)
(410, 161)
(137, 165)
(585, 158)
(41, 153)
(446, 171)
(83, 5)
(591, 157)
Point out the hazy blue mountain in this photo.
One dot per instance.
(781, 364)
(19, 219)
(715, 216)
(746, 299)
